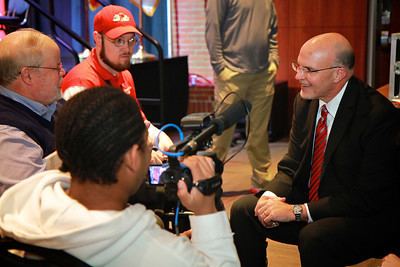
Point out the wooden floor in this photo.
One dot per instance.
(236, 177)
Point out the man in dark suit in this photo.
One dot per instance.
(336, 197)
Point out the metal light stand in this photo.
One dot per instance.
(394, 79)
(141, 55)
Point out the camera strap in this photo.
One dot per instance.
(210, 185)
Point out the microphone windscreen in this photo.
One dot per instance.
(232, 115)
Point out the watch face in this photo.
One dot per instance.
(297, 209)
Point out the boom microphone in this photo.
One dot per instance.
(223, 121)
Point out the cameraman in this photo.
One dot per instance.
(85, 211)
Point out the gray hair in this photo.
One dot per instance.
(18, 49)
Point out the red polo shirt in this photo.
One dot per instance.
(90, 73)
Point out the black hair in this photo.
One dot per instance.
(94, 129)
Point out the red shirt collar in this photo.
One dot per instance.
(114, 79)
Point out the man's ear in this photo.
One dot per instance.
(131, 158)
(25, 75)
(340, 74)
(97, 38)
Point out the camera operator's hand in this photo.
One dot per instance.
(201, 168)
(164, 142)
(157, 157)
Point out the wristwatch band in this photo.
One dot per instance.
(297, 209)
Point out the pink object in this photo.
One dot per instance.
(2, 12)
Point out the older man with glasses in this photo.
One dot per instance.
(115, 35)
(336, 192)
(30, 80)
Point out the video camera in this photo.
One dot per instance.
(204, 126)
(159, 193)
(168, 174)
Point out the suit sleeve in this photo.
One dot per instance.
(282, 184)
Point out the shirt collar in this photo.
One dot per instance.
(333, 105)
(45, 112)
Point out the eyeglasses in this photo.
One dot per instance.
(120, 42)
(59, 68)
(307, 70)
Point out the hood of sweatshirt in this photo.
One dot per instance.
(38, 211)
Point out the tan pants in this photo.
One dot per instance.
(258, 89)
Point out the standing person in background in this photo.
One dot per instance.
(241, 37)
(30, 81)
(115, 35)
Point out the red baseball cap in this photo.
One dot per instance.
(114, 21)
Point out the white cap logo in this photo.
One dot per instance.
(120, 17)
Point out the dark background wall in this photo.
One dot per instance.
(77, 15)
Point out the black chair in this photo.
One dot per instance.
(11, 250)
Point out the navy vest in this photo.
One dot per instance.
(19, 116)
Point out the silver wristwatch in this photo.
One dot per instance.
(297, 209)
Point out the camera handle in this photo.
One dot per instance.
(206, 186)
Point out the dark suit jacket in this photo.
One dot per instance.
(360, 175)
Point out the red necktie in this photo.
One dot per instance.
(321, 134)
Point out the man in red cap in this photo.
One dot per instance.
(115, 35)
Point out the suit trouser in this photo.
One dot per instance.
(258, 89)
(334, 241)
